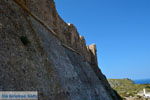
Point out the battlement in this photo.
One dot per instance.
(66, 32)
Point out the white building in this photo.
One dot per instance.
(146, 95)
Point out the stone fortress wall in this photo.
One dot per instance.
(66, 32)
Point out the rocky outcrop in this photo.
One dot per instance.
(40, 52)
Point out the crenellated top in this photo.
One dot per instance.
(92, 47)
(66, 32)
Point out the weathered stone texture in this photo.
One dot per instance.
(43, 64)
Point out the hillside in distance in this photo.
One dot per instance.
(127, 88)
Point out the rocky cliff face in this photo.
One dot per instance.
(40, 52)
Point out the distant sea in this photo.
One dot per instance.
(142, 81)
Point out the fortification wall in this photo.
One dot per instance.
(67, 33)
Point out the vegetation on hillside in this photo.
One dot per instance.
(127, 88)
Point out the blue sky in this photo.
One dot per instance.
(119, 28)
